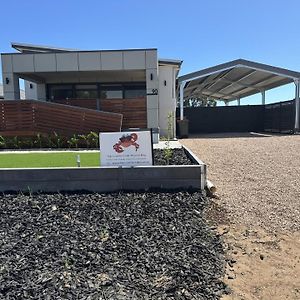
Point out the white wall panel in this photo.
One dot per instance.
(151, 59)
(6, 61)
(152, 79)
(134, 60)
(23, 63)
(67, 61)
(89, 61)
(45, 62)
(112, 60)
(152, 101)
(30, 93)
(152, 118)
(167, 100)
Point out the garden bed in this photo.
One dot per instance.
(108, 246)
(184, 171)
(45, 159)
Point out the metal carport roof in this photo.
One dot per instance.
(235, 79)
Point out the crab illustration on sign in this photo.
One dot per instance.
(125, 141)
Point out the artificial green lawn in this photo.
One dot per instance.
(48, 159)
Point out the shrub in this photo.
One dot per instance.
(3, 142)
(38, 141)
(83, 140)
(54, 140)
(73, 141)
(93, 140)
(167, 150)
(26, 142)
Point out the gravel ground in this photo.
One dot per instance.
(257, 177)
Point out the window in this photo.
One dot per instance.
(86, 91)
(60, 92)
(93, 90)
(86, 94)
(111, 92)
(134, 93)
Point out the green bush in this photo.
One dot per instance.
(38, 141)
(168, 152)
(93, 139)
(83, 141)
(73, 141)
(3, 142)
(54, 140)
(26, 143)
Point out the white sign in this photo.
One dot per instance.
(129, 148)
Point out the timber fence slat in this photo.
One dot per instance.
(23, 116)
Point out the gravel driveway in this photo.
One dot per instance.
(257, 177)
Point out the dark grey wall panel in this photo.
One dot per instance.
(225, 119)
(280, 117)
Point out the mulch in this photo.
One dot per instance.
(177, 157)
(154, 245)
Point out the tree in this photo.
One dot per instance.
(200, 101)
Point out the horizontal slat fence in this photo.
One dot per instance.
(27, 117)
(134, 110)
(85, 103)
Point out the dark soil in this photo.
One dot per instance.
(108, 246)
(177, 157)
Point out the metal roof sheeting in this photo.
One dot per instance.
(236, 79)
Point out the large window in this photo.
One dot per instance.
(134, 92)
(61, 92)
(111, 92)
(86, 91)
(96, 90)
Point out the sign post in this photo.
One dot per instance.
(127, 148)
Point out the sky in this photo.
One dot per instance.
(201, 33)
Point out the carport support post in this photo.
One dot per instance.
(297, 103)
(239, 101)
(181, 91)
(263, 97)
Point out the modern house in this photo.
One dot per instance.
(131, 82)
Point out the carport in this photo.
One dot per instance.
(237, 79)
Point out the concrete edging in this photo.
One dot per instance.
(105, 179)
